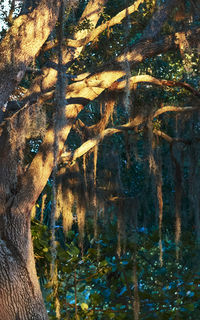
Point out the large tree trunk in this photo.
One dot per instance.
(20, 295)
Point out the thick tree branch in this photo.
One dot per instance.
(78, 95)
(151, 31)
(173, 109)
(91, 143)
(113, 21)
(97, 31)
(149, 48)
(10, 14)
(171, 140)
(90, 87)
(70, 156)
(22, 42)
(92, 13)
(117, 86)
(159, 18)
(36, 176)
(45, 83)
(163, 135)
(103, 80)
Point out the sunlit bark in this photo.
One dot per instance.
(70, 157)
(97, 31)
(117, 86)
(22, 42)
(93, 85)
(17, 50)
(47, 81)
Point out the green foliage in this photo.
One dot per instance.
(93, 279)
(101, 284)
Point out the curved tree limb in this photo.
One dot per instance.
(102, 79)
(70, 156)
(149, 48)
(136, 54)
(174, 140)
(92, 86)
(77, 96)
(46, 82)
(151, 30)
(97, 31)
(174, 109)
(117, 86)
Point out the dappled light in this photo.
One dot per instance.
(99, 160)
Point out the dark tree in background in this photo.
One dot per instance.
(99, 108)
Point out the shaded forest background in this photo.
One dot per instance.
(116, 229)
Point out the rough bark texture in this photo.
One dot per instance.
(20, 295)
(22, 42)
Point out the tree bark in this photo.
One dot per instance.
(20, 295)
(22, 42)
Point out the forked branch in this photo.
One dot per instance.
(71, 157)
